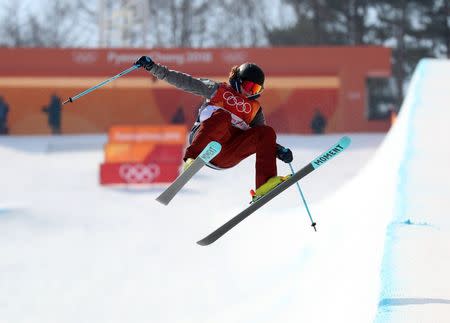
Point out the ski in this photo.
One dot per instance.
(340, 146)
(210, 151)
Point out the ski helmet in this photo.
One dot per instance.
(251, 72)
(247, 72)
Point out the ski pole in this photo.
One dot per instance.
(304, 200)
(71, 99)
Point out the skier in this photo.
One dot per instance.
(232, 116)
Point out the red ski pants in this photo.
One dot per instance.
(237, 145)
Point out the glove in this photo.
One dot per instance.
(284, 154)
(145, 62)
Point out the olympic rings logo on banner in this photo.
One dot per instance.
(84, 57)
(238, 102)
(139, 173)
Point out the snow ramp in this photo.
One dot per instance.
(416, 263)
(385, 257)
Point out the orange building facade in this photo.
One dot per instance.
(299, 81)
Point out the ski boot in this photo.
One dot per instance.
(267, 187)
(187, 163)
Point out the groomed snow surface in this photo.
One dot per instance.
(74, 251)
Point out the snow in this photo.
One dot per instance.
(416, 287)
(74, 251)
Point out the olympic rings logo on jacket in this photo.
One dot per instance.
(238, 102)
(238, 105)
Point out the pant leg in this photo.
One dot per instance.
(260, 140)
(216, 128)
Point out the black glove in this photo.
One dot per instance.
(284, 154)
(145, 62)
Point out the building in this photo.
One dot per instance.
(299, 80)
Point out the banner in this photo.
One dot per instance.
(143, 154)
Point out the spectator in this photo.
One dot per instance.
(4, 109)
(318, 122)
(178, 117)
(54, 114)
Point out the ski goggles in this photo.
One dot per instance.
(251, 87)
